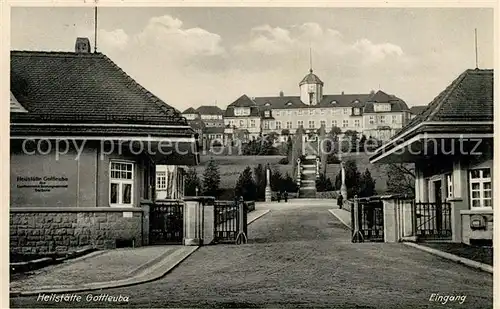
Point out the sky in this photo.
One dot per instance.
(211, 56)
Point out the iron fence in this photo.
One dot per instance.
(432, 221)
(227, 225)
(367, 220)
(166, 222)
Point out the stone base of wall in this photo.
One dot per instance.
(470, 235)
(62, 230)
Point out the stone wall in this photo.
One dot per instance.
(63, 230)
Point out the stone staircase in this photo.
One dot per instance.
(307, 187)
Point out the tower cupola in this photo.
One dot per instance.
(311, 89)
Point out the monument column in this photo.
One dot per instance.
(268, 184)
(343, 187)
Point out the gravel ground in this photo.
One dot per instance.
(302, 257)
(111, 265)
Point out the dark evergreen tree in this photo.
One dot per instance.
(245, 186)
(211, 179)
(289, 184)
(366, 185)
(259, 174)
(276, 180)
(192, 182)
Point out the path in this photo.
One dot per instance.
(302, 257)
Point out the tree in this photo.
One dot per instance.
(259, 174)
(289, 185)
(352, 178)
(351, 137)
(366, 185)
(266, 144)
(324, 183)
(289, 147)
(285, 132)
(401, 178)
(245, 186)
(192, 182)
(211, 179)
(335, 131)
(362, 142)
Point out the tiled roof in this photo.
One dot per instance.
(467, 98)
(311, 78)
(190, 111)
(86, 86)
(415, 110)
(243, 101)
(209, 110)
(286, 102)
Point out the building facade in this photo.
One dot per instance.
(376, 114)
(208, 121)
(451, 144)
(101, 136)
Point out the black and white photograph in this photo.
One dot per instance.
(242, 155)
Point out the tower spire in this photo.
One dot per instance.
(475, 44)
(310, 59)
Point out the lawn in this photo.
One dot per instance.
(231, 166)
(478, 254)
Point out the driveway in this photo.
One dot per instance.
(302, 256)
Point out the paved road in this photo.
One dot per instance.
(302, 257)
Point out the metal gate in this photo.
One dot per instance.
(226, 221)
(367, 220)
(166, 222)
(432, 220)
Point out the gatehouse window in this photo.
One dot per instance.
(480, 188)
(121, 183)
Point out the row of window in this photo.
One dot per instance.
(322, 111)
(311, 124)
(242, 123)
(382, 119)
(345, 123)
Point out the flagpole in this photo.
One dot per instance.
(95, 29)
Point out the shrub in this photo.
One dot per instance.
(283, 161)
(324, 183)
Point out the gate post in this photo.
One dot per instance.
(145, 224)
(194, 219)
(390, 219)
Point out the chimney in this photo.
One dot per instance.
(342, 93)
(82, 46)
(281, 93)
